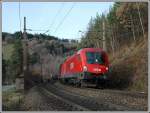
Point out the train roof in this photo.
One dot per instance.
(83, 50)
(89, 49)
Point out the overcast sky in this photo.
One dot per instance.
(63, 20)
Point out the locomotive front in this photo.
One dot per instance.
(95, 64)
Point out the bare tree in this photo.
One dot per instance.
(139, 13)
(132, 26)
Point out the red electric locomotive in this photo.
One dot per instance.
(87, 65)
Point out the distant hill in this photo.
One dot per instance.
(45, 52)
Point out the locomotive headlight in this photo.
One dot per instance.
(84, 68)
(99, 70)
(106, 68)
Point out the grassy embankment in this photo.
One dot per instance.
(7, 51)
(130, 67)
(11, 99)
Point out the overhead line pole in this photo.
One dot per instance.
(25, 54)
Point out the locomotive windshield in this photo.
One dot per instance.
(94, 58)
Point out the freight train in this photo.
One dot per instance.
(86, 66)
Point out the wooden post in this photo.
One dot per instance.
(21, 81)
(40, 58)
(24, 48)
(25, 55)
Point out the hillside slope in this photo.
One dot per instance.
(7, 50)
(130, 67)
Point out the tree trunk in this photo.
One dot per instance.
(139, 13)
(112, 41)
(104, 37)
(132, 27)
(114, 37)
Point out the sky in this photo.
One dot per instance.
(60, 19)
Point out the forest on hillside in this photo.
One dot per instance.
(40, 46)
(126, 22)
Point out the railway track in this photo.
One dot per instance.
(129, 100)
(93, 103)
(80, 100)
(119, 92)
(61, 103)
(40, 99)
(116, 92)
(59, 97)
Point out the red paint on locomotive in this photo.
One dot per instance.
(89, 60)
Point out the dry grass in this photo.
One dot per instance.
(130, 67)
(7, 51)
(11, 100)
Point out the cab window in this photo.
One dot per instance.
(94, 58)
